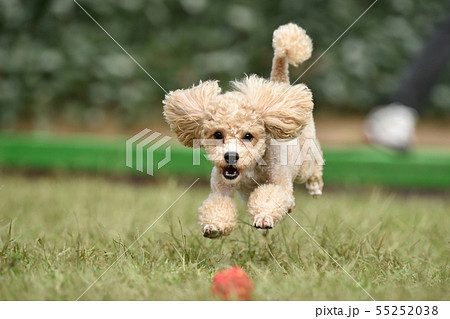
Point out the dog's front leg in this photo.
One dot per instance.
(268, 203)
(218, 212)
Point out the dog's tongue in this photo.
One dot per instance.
(230, 172)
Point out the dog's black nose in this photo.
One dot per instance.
(231, 158)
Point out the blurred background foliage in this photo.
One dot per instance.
(57, 65)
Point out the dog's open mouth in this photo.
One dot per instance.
(230, 172)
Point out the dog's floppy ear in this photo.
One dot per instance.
(184, 110)
(284, 109)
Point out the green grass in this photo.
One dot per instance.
(58, 234)
(419, 169)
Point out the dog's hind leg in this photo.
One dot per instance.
(314, 184)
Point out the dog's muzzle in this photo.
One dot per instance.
(231, 158)
(230, 172)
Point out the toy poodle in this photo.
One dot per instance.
(255, 136)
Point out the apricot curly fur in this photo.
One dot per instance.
(271, 112)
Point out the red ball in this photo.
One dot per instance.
(232, 284)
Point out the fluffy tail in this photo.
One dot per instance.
(291, 45)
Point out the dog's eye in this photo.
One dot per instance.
(248, 137)
(218, 136)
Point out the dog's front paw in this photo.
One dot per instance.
(263, 221)
(212, 231)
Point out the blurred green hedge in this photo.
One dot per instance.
(56, 63)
